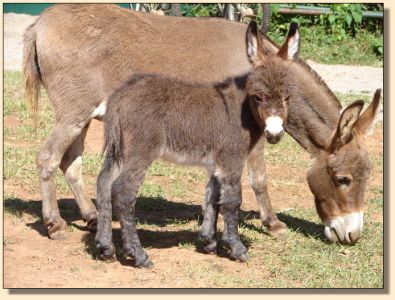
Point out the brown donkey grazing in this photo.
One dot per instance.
(340, 167)
(82, 52)
(213, 125)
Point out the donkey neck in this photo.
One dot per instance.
(313, 115)
(235, 88)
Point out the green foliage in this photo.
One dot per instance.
(344, 19)
(378, 47)
(365, 48)
(201, 10)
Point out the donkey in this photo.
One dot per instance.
(80, 53)
(213, 125)
(340, 167)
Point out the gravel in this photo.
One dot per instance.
(340, 78)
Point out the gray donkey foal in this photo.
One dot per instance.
(215, 126)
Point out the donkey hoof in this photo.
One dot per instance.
(238, 252)
(107, 253)
(210, 244)
(58, 235)
(210, 248)
(108, 258)
(148, 264)
(279, 231)
(56, 229)
(242, 258)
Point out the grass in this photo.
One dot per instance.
(319, 46)
(169, 216)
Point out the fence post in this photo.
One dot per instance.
(229, 11)
(265, 17)
(176, 10)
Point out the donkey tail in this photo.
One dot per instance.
(31, 71)
(112, 138)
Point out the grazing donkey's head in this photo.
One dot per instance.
(269, 86)
(339, 174)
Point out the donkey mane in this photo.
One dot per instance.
(239, 81)
(320, 116)
(320, 81)
(317, 78)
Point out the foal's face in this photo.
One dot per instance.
(269, 92)
(268, 85)
(339, 175)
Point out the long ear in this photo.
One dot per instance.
(367, 119)
(255, 51)
(346, 124)
(290, 49)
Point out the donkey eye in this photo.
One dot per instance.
(286, 99)
(343, 180)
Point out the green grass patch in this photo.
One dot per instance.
(347, 99)
(325, 48)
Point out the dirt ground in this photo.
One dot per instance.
(32, 260)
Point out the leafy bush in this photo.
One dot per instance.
(345, 18)
(327, 38)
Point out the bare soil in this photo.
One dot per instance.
(69, 263)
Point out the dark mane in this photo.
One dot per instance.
(313, 73)
(320, 81)
(239, 81)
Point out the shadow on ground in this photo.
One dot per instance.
(157, 212)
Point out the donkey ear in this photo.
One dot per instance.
(367, 119)
(347, 121)
(290, 48)
(255, 51)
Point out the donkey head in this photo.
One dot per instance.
(269, 86)
(338, 176)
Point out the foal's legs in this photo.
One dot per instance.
(258, 180)
(209, 227)
(48, 161)
(71, 165)
(229, 203)
(108, 174)
(124, 191)
(257, 177)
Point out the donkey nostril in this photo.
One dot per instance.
(333, 229)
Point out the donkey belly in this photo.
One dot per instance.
(189, 157)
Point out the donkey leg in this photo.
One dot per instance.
(48, 161)
(124, 191)
(104, 243)
(210, 212)
(71, 165)
(230, 201)
(258, 180)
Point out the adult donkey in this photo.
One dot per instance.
(80, 53)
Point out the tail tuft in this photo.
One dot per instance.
(31, 71)
(113, 138)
